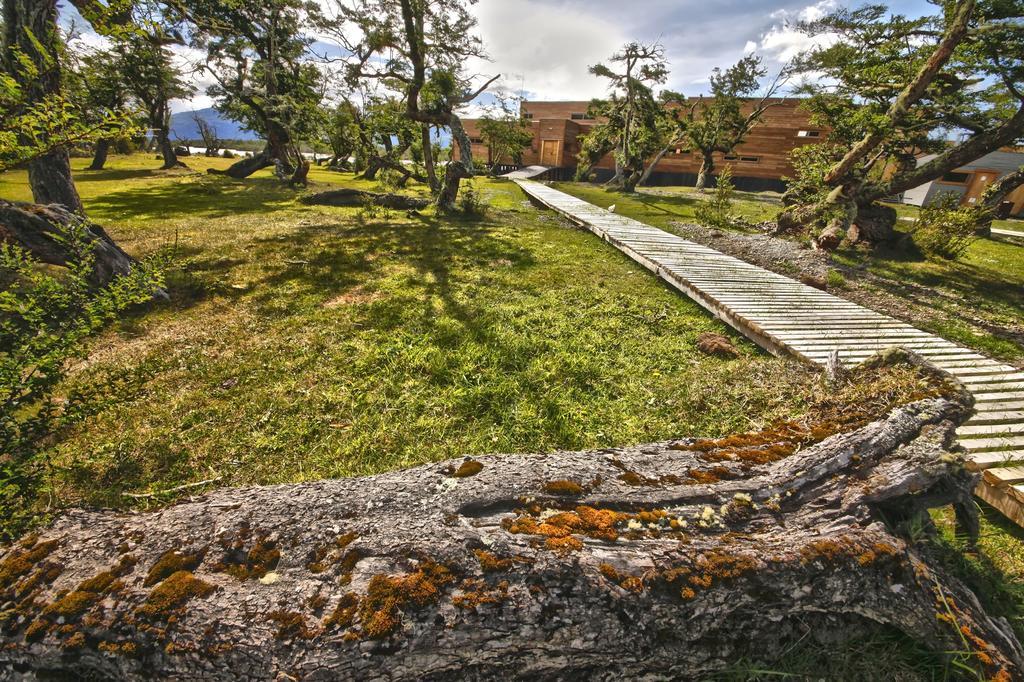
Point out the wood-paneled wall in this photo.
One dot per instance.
(766, 147)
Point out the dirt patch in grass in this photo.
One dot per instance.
(357, 296)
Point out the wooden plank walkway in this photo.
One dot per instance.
(528, 172)
(787, 317)
(1012, 235)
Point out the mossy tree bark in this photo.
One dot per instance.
(37, 229)
(669, 560)
(30, 28)
(99, 156)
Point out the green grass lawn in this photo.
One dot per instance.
(662, 206)
(977, 301)
(311, 342)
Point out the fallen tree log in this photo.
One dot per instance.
(245, 167)
(38, 229)
(358, 197)
(662, 560)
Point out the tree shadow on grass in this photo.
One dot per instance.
(895, 273)
(670, 205)
(209, 196)
(114, 174)
(347, 256)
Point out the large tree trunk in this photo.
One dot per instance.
(51, 182)
(99, 156)
(994, 196)
(707, 167)
(243, 168)
(653, 164)
(873, 224)
(662, 561)
(959, 24)
(457, 169)
(30, 32)
(429, 164)
(38, 229)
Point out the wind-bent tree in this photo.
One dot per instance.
(719, 124)
(153, 79)
(95, 82)
(32, 68)
(208, 133)
(386, 135)
(256, 53)
(504, 131)
(37, 122)
(893, 88)
(418, 49)
(341, 132)
(633, 117)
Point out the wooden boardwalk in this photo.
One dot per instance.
(787, 317)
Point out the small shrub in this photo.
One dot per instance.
(835, 280)
(371, 210)
(945, 229)
(390, 180)
(717, 209)
(471, 201)
(45, 318)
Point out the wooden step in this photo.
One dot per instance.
(977, 461)
(993, 444)
(1000, 429)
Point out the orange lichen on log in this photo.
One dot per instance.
(490, 563)
(291, 625)
(387, 595)
(172, 593)
(563, 545)
(171, 562)
(475, 593)
(563, 487)
(345, 612)
(468, 468)
(631, 583)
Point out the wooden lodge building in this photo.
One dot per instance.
(760, 163)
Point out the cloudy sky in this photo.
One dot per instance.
(542, 48)
(545, 46)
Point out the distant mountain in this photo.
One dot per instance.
(183, 126)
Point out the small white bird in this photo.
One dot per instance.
(611, 209)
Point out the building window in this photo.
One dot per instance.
(956, 178)
(527, 115)
(476, 140)
(809, 133)
(580, 117)
(750, 159)
(731, 158)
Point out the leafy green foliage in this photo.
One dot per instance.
(858, 87)
(945, 229)
(505, 132)
(471, 202)
(44, 320)
(632, 116)
(717, 210)
(719, 123)
(31, 127)
(256, 56)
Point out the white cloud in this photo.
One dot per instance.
(783, 42)
(544, 49)
(749, 46)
